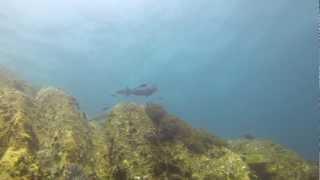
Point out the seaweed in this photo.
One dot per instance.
(74, 172)
(170, 128)
(213, 177)
(155, 112)
(170, 169)
(201, 141)
(47, 137)
(261, 170)
(120, 173)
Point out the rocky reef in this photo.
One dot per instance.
(44, 135)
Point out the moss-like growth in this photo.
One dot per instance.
(11, 81)
(155, 112)
(170, 128)
(44, 135)
(269, 161)
(139, 147)
(201, 141)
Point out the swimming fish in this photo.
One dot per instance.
(248, 136)
(125, 92)
(105, 108)
(142, 85)
(139, 91)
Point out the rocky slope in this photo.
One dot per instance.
(44, 135)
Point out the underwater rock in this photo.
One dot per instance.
(18, 141)
(10, 80)
(64, 134)
(155, 112)
(269, 161)
(134, 155)
(44, 135)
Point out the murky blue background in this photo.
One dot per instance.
(233, 67)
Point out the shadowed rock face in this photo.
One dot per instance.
(44, 135)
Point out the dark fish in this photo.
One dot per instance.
(148, 91)
(142, 91)
(142, 85)
(105, 108)
(124, 92)
(248, 136)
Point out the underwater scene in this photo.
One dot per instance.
(159, 90)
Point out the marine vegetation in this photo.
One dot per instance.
(272, 161)
(44, 135)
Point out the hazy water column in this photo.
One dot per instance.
(232, 67)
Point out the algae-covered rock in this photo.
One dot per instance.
(18, 142)
(44, 135)
(141, 147)
(64, 135)
(10, 80)
(269, 161)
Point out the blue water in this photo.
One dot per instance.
(233, 67)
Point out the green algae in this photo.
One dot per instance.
(167, 158)
(44, 135)
(272, 161)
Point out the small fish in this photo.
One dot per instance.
(146, 91)
(105, 108)
(248, 136)
(142, 85)
(125, 92)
